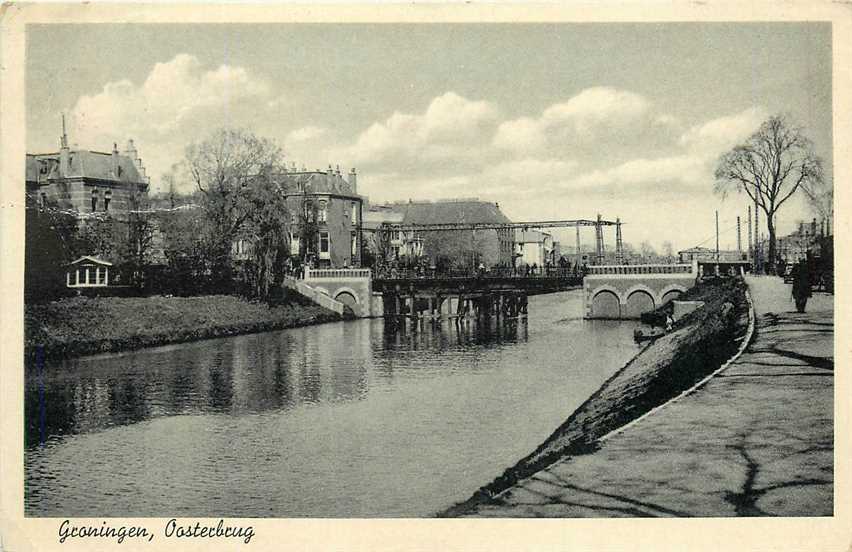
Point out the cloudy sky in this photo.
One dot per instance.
(551, 121)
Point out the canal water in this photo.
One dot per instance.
(338, 420)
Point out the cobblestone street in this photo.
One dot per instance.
(756, 440)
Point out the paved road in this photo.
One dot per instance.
(757, 440)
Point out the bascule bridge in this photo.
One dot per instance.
(614, 291)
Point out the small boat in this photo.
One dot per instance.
(646, 334)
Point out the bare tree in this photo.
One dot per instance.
(668, 249)
(647, 250)
(822, 202)
(771, 166)
(224, 168)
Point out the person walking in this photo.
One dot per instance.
(801, 285)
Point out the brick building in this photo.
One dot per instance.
(86, 181)
(327, 214)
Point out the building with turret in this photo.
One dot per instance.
(327, 215)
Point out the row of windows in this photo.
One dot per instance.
(324, 243)
(322, 212)
(107, 199)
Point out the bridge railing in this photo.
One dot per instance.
(641, 269)
(491, 273)
(336, 273)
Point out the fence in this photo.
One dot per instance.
(336, 273)
(491, 273)
(642, 269)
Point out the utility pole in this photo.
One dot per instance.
(739, 238)
(717, 235)
(599, 245)
(619, 247)
(750, 243)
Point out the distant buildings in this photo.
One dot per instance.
(795, 246)
(447, 248)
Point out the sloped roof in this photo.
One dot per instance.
(91, 259)
(314, 182)
(87, 164)
(697, 250)
(444, 212)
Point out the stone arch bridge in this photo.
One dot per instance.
(352, 287)
(626, 291)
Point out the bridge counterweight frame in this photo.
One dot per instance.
(450, 226)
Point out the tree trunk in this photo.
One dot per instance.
(770, 261)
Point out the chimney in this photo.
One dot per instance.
(64, 152)
(130, 151)
(353, 181)
(329, 177)
(115, 159)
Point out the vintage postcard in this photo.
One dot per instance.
(393, 277)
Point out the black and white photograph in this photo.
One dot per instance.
(423, 269)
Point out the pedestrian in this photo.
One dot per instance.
(801, 285)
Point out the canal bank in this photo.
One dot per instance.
(80, 326)
(676, 363)
(756, 440)
(331, 420)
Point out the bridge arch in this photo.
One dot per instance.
(638, 299)
(670, 292)
(606, 303)
(350, 302)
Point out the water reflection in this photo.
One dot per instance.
(340, 419)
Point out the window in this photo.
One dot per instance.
(322, 214)
(354, 245)
(354, 213)
(94, 200)
(324, 245)
(294, 245)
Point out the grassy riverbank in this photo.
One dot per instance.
(700, 343)
(81, 325)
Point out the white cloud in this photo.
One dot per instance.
(306, 134)
(590, 116)
(681, 169)
(718, 135)
(449, 127)
(691, 166)
(179, 101)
